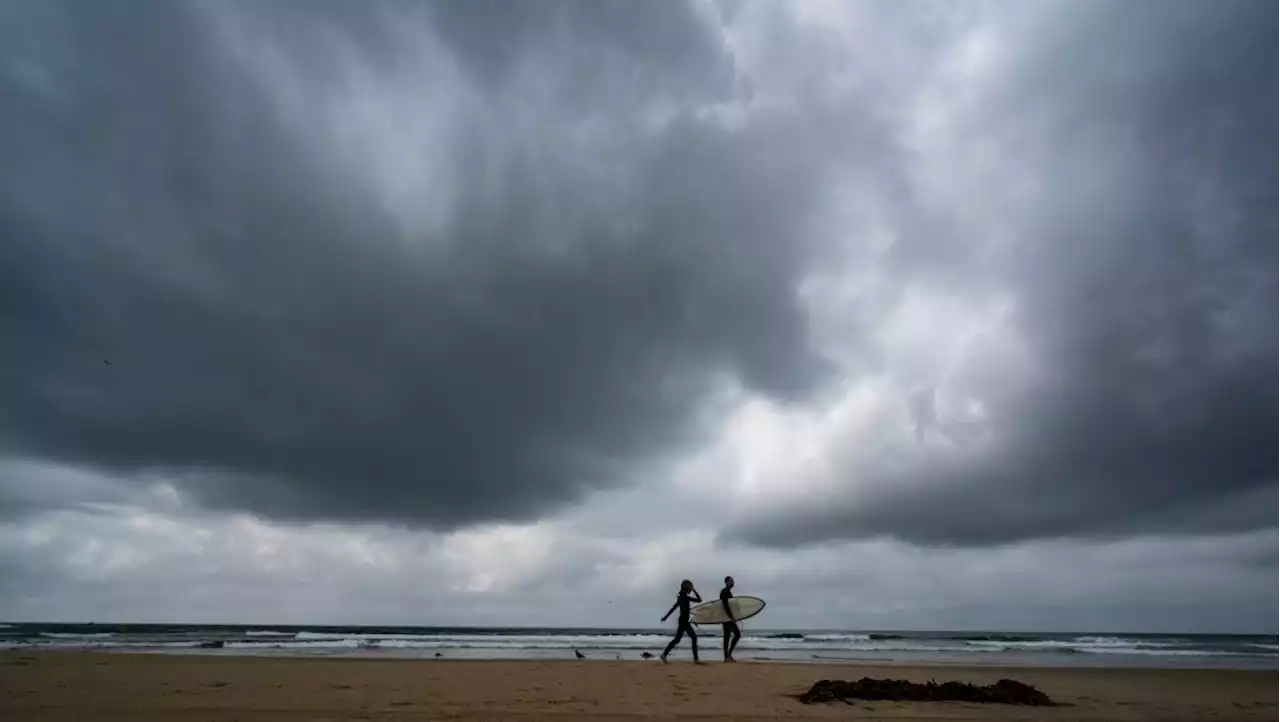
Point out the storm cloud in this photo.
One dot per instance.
(1129, 385)
(524, 298)
(319, 270)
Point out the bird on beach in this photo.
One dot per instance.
(646, 655)
(438, 655)
(579, 655)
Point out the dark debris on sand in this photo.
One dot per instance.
(1006, 691)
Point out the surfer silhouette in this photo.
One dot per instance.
(683, 626)
(731, 631)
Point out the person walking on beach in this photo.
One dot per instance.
(731, 631)
(683, 626)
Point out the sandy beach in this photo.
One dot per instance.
(95, 687)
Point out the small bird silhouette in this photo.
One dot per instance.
(438, 655)
(646, 655)
(579, 655)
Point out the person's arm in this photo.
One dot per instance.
(694, 593)
(724, 599)
(669, 611)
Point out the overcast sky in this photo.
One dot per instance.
(906, 314)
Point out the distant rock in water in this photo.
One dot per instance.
(215, 644)
(1006, 691)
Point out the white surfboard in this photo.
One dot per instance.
(713, 612)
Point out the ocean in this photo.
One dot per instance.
(989, 648)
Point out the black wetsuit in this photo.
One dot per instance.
(683, 627)
(731, 631)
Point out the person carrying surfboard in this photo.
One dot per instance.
(683, 626)
(731, 631)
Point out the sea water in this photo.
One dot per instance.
(832, 646)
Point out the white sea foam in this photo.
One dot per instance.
(303, 645)
(1098, 641)
(1162, 652)
(835, 638)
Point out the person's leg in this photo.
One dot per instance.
(731, 636)
(693, 640)
(674, 641)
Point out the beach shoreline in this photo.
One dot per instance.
(913, 648)
(65, 685)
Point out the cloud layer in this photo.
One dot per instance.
(1126, 383)
(358, 292)
(593, 296)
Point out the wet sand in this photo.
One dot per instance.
(112, 687)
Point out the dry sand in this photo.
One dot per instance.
(87, 687)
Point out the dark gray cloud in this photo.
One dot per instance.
(455, 262)
(32, 488)
(1142, 264)
(197, 282)
(445, 263)
(592, 49)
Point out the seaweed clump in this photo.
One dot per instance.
(1005, 691)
